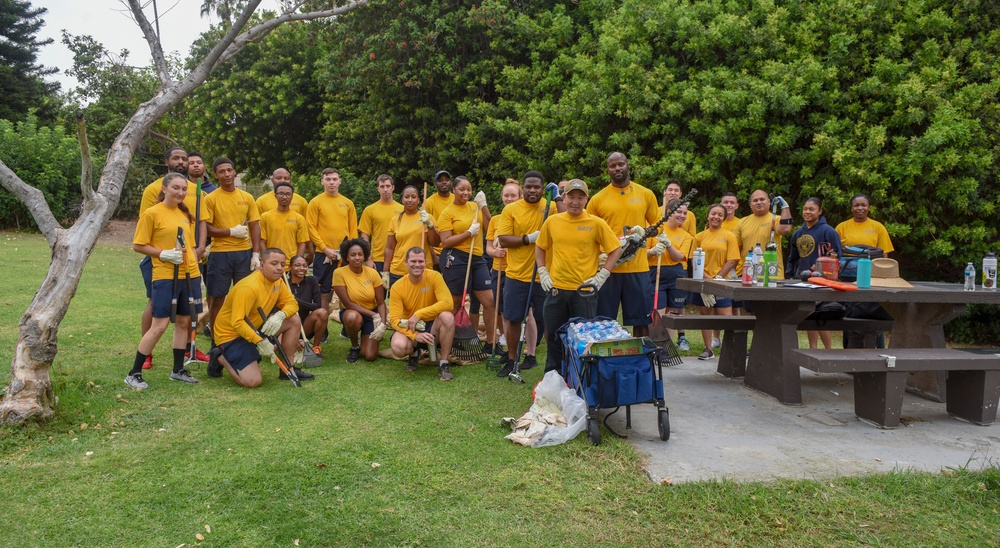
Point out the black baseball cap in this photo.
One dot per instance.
(440, 173)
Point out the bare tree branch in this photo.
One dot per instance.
(165, 138)
(87, 164)
(155, 48)
(35, 202)
(212, 59)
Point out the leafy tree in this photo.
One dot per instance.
(49, 158)
(22, 83)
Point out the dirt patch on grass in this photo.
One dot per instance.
(117, 232)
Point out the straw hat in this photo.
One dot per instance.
(885, 273)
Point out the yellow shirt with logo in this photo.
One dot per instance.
(157, 227)
(434, 205)
(756, 229)
(517, 219)
(360, 287)
(457, 219)
(731, 224)
(269, 202)
(870, 232)
(425, 300)
(284, 230)
(719, 246)
(332, 219)
(634, 205)
(151, 194)
(408, 231)
(572, 245)
(374, 222)
(242, 301)
(225, 210)
(680, 239)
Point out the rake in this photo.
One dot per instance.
(467, 347)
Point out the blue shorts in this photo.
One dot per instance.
(498, 285)
(240, 353)
(226, 268)
(695, 299)
(516, 297)
(203, 267)
(669, 295)
(453, 267)
(146, 269)
(163, 295)
(320, 272)
(393, 278)
(378, 266)
(367, 324)
(633, 291)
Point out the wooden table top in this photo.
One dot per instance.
(922, 292)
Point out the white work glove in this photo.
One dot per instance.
(297, 358)
(265, 348)
(172, 256)
(708, 299)
(636, 234)
(658, 249)
(474, 229)
(480, 199)
(599, 278)
(780, 201)
(665, 240)
(385, 280)
(601, 259)
(239, 231)
(254, 261)
(273, 324)
(379, 331)
(208, 251)
(544, 278)
(421, 325)
(426, 219)
(533, 236)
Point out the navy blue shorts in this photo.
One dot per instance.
(163, 295)
(203, 267)
(695, 299)
(146, 269)
(669, 295)
(516, 297)
(367, 324)
(320, 272)
(633, 291)
(378, 266)
(226, 268)
(453, 268)
(393, 278)
(498, 285)
(240, 353)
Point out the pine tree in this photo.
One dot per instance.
(22, 83)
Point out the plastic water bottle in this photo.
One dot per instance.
(699, 264)
(748, 271)
(771, 268)
(970, 277)
(990, 271)
(865, 273)
(758, 265)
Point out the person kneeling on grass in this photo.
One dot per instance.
(240, 349)
(420, 311)
(362, 300)
(307, 294)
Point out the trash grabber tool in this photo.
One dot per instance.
(279, 352)
(173, 297)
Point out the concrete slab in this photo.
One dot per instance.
(722, 429)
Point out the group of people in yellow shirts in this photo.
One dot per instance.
(547, 244)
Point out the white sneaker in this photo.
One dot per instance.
(716, 343)
(135, 381)
(682, 345)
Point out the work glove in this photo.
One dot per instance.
(636, 234)
(426, 219)
(665, 240)
(172, 256)
(601, 259)
(265, 348)
(421, 325)
(379, 331)
(273, 324)
(658, 249)
(533, 236)
(708, 299)
(239, 231)
(474, 229)
(480, 199)
(553, 190)
(208, 251)
(598, 279)
(254, 261)
(297, 358)
(544, 278)
(385, 280)
(780, 201)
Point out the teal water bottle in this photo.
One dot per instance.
(864, 273)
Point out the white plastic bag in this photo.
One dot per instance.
(557, 415)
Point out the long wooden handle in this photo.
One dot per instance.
(423, 228)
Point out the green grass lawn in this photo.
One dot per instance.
(369, 455)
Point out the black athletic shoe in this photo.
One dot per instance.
(508, 368)
(214, 368)
(528, 362)
(325, 337)
(411, 362)
(302, 375)
(353, 353)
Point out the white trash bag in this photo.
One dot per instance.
(557, 415)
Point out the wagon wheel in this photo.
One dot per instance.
(663, 422)
(593, 431)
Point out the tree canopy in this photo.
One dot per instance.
(22, 79)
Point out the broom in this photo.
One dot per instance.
(467, 346)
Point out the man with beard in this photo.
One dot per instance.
(435, 204)
(626, 204)
(756, 229)
(196, 172)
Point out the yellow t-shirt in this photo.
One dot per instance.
(285, 231)
(408, 231)
(434, 205)
(374, 222)
(227, 209)
(457, 219)
(499, 263)
(360, 287)
(242, 301)
(157, 227)
(719, 246)
(267, 202)
(635, 205)
(517, 219)
(572, 245)
(151, 194)
(870, 232)
(331, 219)
(756, 229)
(690, 222)
(680, 239)
(425, 299)
(731, 224)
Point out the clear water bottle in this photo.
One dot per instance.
(970, 277)
(699, 264)
(758, 265)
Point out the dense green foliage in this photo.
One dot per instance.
(22, 83)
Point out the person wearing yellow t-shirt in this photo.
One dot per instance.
(435, 204)
(406, 230)
(283, 228)
(520, 224)
(232, 221)
(862, 229)
(156, 236)
(374, 224)
(731, 203)
(268, 201)
(420, 312)
(756, 229)
(240, 349)
(332, 219)
(722, 251)
(627, 204)
(567, 256)
(510, 193)
(362, 301)
(673, 191)
(671, 248)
